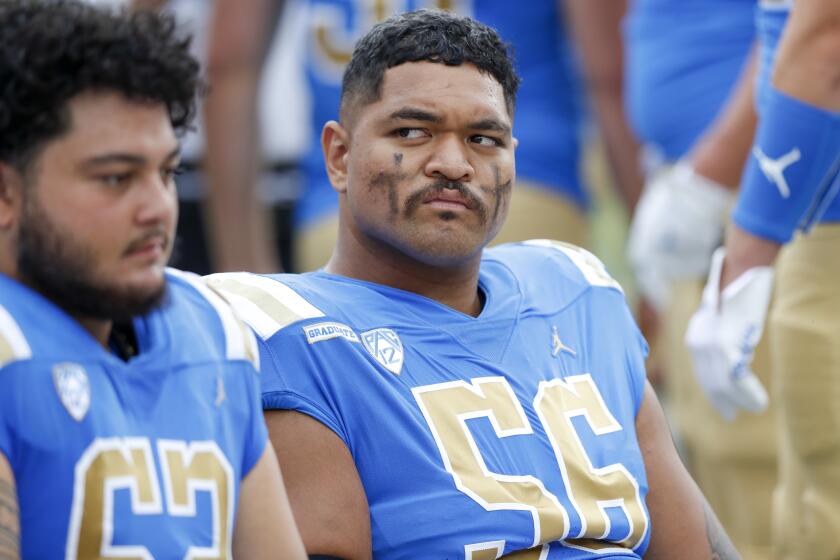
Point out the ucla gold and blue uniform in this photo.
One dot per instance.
(473, 437)
(140, 458)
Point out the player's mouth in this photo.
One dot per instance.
(449, 199)
(446, 198)
(151, 246)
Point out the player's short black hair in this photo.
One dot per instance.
(425, 35)
(53, 50)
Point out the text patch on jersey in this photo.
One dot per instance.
(73, 387)
(386, 348)
(325, 331)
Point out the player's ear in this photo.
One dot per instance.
(335, 141)
(11, 196)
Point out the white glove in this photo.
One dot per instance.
(678, 223)
(723, 334)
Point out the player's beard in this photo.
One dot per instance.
(64, 271)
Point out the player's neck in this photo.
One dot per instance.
(455, 287)
(99, 329)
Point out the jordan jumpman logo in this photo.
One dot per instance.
(774, 169)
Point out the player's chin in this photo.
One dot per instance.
(448, 249)
(131, 299)
(146, 280)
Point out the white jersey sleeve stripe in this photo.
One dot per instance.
(239, 340)
(13, 344)
(265, 304)
(589, 265)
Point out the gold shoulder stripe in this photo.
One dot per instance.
(265, 304)
(239, 341)
(590, 266)
(13, 344)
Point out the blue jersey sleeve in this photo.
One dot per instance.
(297, 376)
(790, 178)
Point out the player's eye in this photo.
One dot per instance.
(115, 179)
(410, 133)
(168, 174)
(483, 140)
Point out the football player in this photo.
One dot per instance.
(552, 200)
(691, 102)
(130, 423)
(429, 399)
(788, 197)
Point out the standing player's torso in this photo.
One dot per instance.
(473, 437)
(123, 459)
(683, 58)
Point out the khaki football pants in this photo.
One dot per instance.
(805, 335)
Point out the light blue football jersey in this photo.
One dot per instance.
(473, 436)
(139, 459)
(549, 108)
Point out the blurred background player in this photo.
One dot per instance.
(148, 438)
(249, 226)
(257, 131)
(689, 95)
(552, 201)
(790, 184)
(432, 400)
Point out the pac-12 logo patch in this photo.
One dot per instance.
(73, 387)
(386, 348)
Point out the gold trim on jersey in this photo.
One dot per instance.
(240, 343)
(265, 304)
(590, 266)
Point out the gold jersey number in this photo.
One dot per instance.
(111, 464)
(590, 490)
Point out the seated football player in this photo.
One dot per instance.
(430, 399)
(130, 420)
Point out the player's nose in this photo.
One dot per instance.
(156, 199)
(450, 160)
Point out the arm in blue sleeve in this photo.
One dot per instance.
(792, 173)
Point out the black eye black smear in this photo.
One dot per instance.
(398, 159)
(499, 191)
(390, 182)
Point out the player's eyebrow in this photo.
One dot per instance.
(415, 114)
(490, 124)
(123, 157)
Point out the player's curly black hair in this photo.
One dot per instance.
(53, 50)
(426, 35)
